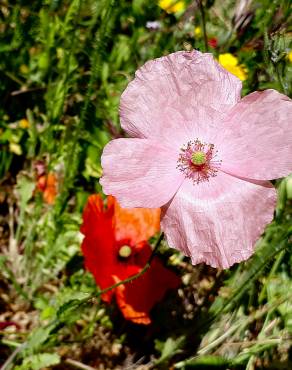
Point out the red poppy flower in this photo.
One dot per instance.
(115, 247)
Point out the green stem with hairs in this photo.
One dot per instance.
(140, 273)
(203, 22)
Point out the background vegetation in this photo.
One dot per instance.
(63, 66)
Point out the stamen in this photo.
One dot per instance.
(198, 161)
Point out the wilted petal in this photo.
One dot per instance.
(218, 222)
(257, 138)
(140, 173)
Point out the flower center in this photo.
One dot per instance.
(198, 158)
(198, 161)
(125, 251)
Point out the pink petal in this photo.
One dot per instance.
(139, 172)
(185, 92)
(258, 141)
(218, 222)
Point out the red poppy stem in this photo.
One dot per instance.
(140, 273)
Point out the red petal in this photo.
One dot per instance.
(136, 224)
(104, 229)
(137, 298)
(98, 246)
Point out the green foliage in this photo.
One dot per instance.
(38, 362)
(169, 348)
(204, 362)
(63, 67)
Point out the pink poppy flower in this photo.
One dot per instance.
(201, 153)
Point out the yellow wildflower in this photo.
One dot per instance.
(15, 148)
(23, 123)
(198, 31)
(230, 62)
(290, 56)
(172, 6)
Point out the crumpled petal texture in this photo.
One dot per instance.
(182, 98)
(218, 222)
(134, 172)
(190, 85)
(258, 135)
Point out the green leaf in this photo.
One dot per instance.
(40, 361)
(38, 337)
(71, 15)
(70, 309)
(281, 286)
(274, 242)
(25, 188)
(203, 362)
(169, 348)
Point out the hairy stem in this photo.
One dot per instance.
(140, 273)
(203, 21)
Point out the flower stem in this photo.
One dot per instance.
(203, 21)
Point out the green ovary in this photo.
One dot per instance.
(199, 158)
(125, 251)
